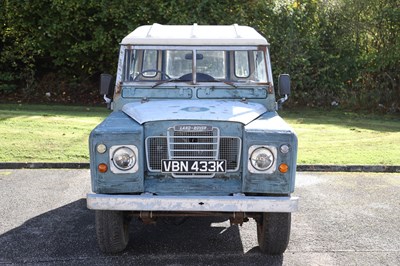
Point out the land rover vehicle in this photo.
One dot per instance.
(194, 131)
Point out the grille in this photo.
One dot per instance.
(193, 145)
(158, 150)
(230, 151)
(203, 145)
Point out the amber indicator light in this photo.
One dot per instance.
(102, 168)
(283, 168)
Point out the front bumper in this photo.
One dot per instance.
(149, 202)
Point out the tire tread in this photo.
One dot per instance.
(273, 232)
(112, 230)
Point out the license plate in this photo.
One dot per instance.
(193, 166)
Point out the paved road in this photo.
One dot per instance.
(344, 219)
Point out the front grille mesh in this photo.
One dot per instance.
(157, 150)
(204, 145)
(230, 150)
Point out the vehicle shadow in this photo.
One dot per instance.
(66, 235)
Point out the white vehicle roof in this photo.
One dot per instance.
(157, 34)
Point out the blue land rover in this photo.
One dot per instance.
(194, 131)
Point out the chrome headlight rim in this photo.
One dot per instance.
(124, 158)
(270, 151)
(262, 159)
(123, 152)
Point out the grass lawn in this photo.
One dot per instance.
(340, 137)
(39, 133)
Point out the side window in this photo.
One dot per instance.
(149, 63)
(140, 61)
(242, 68)
(131, 65)
(260, 73)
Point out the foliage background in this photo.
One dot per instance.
(338, 51)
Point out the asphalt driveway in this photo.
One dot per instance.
(344, 219)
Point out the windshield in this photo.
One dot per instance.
(209, 65)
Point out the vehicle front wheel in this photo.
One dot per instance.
(112, 229)
(273, 232)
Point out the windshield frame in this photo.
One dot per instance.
(194, 50)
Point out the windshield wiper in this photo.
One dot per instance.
(164, 82)
(230, 83)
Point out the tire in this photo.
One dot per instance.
(112, 230)
(273, 232)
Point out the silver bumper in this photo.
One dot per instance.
(236, 203)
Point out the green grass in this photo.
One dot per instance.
(39, 133)
(339, 137)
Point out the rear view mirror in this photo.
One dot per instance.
(106, 84)
(190, 56)
(284, 84)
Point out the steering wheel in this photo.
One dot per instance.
(151, 70)
(202, 77)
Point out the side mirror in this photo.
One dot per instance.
(284, 84)
(106, 85)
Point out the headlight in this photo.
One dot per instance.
(124, 159)
(262, 159)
